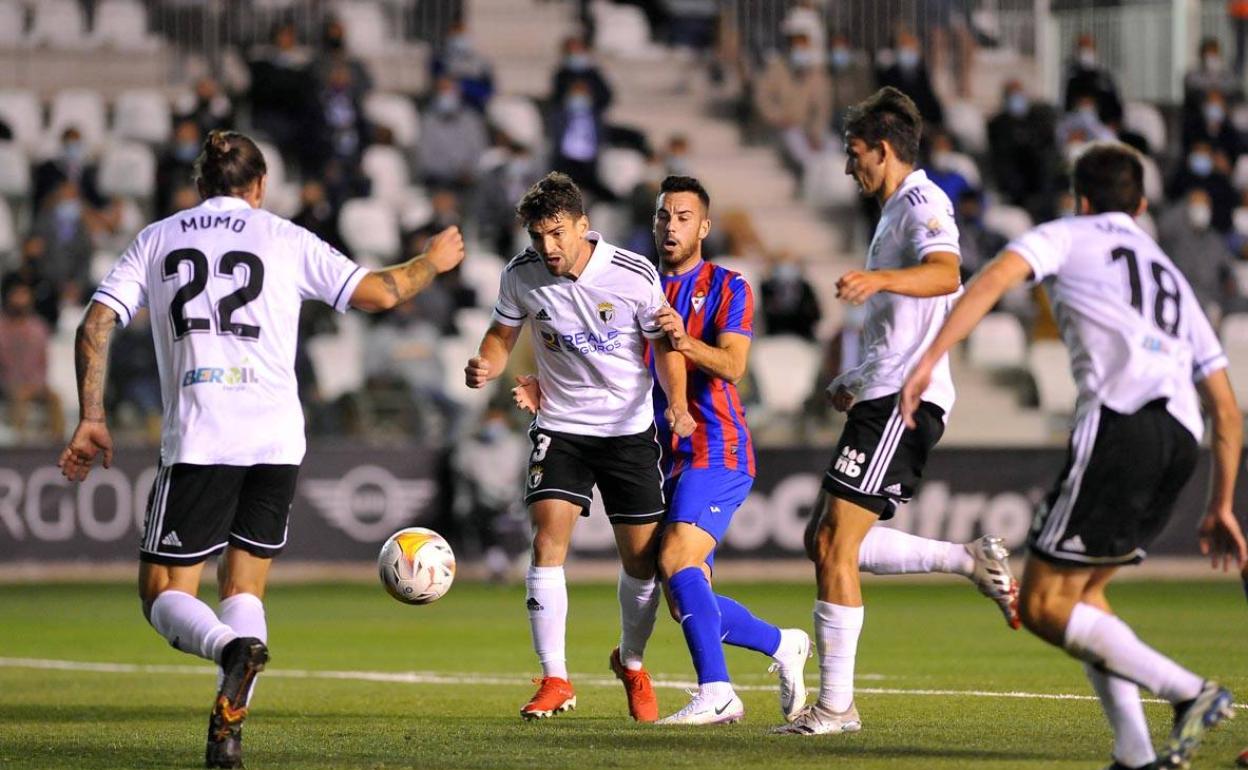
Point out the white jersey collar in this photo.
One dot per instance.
(598, 255)
(916, 177)
(225, 203)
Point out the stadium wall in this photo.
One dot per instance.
(352, 497)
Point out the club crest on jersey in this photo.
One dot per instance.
(606, 311)
(699, 299)
(535, 476)
(933, 227)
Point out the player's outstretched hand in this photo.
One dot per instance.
(90, 439)
(477, 372)
(857, 286)
(446, 250)
(842, 399)
(680, 421)
(1222, 540)
(914, 387)
(527, 395)
(674, 326)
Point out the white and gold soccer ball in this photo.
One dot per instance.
(416, 565)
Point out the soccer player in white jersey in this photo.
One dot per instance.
(1143, 356)
(909, 285)
(224, 282)
(590, 306)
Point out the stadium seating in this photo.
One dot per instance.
(8, 233)
(1146, 120)
(453, 353)
(128, 170)
(1049, 364)
(784, 366)
(14, 171)
(621, 169)
(472, 322)
(12, 23)
(58, 23)
(998, 343)
(1235, 341)
(1241, 277)
(415, 210)
(622, 30)
(371, 231)
(1154, 186)
(21, 111)
(825, 184)
(387, 168)
(966, 123)
(122, 24)
(281, 197)
(481, 272)
(1009, 221)
(80, 108)
(366, 26)
(338, 359)
(142, 114)
(397, 113)
(518, 118)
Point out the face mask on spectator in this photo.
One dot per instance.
(1213, 62)
(1087, 58)
(1017, 104)
(579, 102)
(840, 57)
(908, 58)
(459, 44)
(577, 62)
(446, 102)
(1199, 215)
(802, 58)
(73, 152)
(677, 165)
(1214, 113)
(185, 152)
(1200, 163)
(492, 431)
(1088, 112)
(787, 272)
(1239, 220)
(68, 211)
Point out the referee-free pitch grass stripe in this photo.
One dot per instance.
(431, 677)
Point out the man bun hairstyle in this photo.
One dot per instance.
(551, 196)
(686, 184)
(887, 115)
(1111, 176)
(229, 164)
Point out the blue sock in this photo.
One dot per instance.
(700, 623)
(742, 629)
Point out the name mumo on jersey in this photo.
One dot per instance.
(209, 221)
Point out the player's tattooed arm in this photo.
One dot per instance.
(389, 288)
(91, 359)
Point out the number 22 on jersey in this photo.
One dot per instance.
(226, 268)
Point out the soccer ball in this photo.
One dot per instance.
(416, 565)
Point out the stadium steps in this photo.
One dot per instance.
(523, 39)
(988, 413)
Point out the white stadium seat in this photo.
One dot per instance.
(1050, 368)
(142, 114)
(966, 123)
(280, 197)
(622, 30)
(1241, 277)
(1154, 188)
(621, 169)
(998, 343)
(961, 163)
(371, 231)
(81, 108)
(1235, 341)
(472, 322)
(784, 368)
(12, 23)
(14, 171)
(825, 184)
(1146, 120)
(481, 272)
(8, 233)
(1007, 221)
(518, 118)
(21, 110)
(366, 26)
(397, 113)
(338, 359)
(128, 170)
(386, 168)
(58, 23)
(453, 353)
(122, 24)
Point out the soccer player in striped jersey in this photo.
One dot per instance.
(1144, 358)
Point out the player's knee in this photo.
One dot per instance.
(549, 550)
(675, 556)
(832, 546)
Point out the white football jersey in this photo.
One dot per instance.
(1131, 322)
(587, 334)
(917, 220)
(224, 283)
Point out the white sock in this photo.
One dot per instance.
(245, 614)
(190, 625)
(836, 634)
(547, 600)
(639, 604)
(1099, 638)
(888, 551)
(1120, 700)
(716, 691)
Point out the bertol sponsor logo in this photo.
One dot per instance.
(369, 502)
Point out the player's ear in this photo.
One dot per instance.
(1083, 206)
(704, 229)
(582, 225)
(262, 185)
(1140, 209)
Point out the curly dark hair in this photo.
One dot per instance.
(674, 184)
(887, 115)
(552, 195)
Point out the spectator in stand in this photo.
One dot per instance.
(790, 305)
(31, 273)
(24, 339)
(452, 138)
(908, 73)
(849, 76)
(952, 40)
(207, 105)
(343, 128)
(512, 170)
(334, 55)
(176, 166)
(577, 136)
(793, 98)
(1186, 234)
(132, 374)
(1085, 77)
(675, 160)
(977, 243)
(1211, 74)
(1211, 123)
(71, 164)
(578, 64)
(283, 96)
(318, 216)
(946, 167)
(1209, 171)
(1083, 124)
(62, 224)
(1022, 152)
(460, 61)
(691, 23)
(1237, 10)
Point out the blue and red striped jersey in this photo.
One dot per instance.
(712, 300)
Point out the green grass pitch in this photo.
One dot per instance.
(468, 660)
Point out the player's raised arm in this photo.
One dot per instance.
(984, 291)
(385, 289)
(91, 437)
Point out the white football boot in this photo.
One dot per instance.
(991, 575)
(708, 708)
(816, 720)
(790, 664)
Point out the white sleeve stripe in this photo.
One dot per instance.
(507, 320)
(928, 248)
(508, 315)
(345, 284)
(1211, 365)
(116, 304)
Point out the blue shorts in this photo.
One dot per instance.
(706, 498)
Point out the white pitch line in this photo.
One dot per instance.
(429, 677)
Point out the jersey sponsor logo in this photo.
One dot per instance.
(230, 376)
(585, 343)
(606, 311)
(542, 315)
(850, 462)
(698, 301)
(369, 503)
